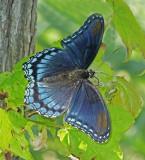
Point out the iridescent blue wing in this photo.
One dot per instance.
(50, 100)
(88, 112)
(83, 45)
(47, 63)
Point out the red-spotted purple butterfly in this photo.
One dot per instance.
(58, 81)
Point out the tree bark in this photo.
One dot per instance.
(17, 31)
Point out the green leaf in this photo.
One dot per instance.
(128, 96)
(5, 130)
(133, 67)
(19, 146)
(14, 84)
(115, 52)
(18, 120)
(12, 134)
(133, 141)
(125, 23)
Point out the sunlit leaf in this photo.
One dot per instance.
(125, 23)
(127, 96)
(13, 137)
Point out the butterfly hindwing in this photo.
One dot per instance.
(83, 45)
(88, 112)
(50, 100)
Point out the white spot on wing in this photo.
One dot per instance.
(49, 113)
(34, 60)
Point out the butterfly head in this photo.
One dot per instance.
(91, 73)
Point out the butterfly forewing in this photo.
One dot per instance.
(47, 63)
(83, 45)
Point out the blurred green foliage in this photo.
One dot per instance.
(120, 67)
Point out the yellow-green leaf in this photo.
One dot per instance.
(125, 23)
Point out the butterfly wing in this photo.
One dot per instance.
(50, 100)
(88, 112)
(83, 45)
(47, 63)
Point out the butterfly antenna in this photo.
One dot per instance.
(98, 81)
(92, 75)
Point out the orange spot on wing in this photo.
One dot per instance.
(97, 28)
(102, 122)
(103, 46)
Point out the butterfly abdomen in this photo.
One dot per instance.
(79, 74)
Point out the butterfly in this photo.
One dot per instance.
(59, 81)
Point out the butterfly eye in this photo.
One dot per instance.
(91, 73)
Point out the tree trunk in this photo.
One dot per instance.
(17, 31)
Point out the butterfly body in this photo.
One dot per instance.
(59, 81)
(73, 75)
